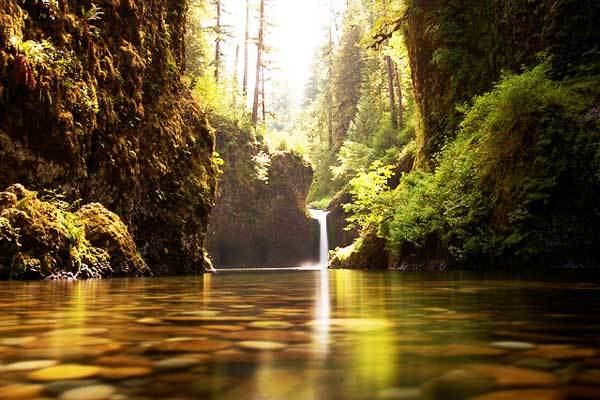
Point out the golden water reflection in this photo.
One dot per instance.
(297, 335)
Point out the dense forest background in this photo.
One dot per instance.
(444, 132)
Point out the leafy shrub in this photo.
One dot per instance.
(519, 184)
(372, 198)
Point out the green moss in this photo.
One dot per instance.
(44, 239)
(459, 48)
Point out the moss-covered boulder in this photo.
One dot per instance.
(105, 230)
(367, 252)
(44, 239)
(92, 104)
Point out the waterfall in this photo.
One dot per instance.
(321, 216)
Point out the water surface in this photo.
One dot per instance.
(302, 335)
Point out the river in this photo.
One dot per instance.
(302, 334)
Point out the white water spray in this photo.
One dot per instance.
(321, 216)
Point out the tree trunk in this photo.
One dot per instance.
(330, 79)
(235, 77)
(262, 92)
(218, 41)
(259, 61)
(400, 96)
(246, 40)
(391, 91)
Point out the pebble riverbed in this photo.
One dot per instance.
(302, 335)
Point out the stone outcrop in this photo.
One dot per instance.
(366, 250)
(336, 221)
(260, 218)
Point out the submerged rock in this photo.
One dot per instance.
(507, 345)
(477, 379)
(45, 239)
(20, 391)
(457, 385)
(532, 394)
(65, 372)
(400, 394)
(561, 352)
(261, 345)
(96, 392)
(512, 377)
(28, 365)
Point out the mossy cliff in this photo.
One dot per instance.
(458, 49)
(507, 169)
(260, 218)
(91, 104)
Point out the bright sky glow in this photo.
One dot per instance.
(298, 28)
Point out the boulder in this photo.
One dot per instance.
(44, 239)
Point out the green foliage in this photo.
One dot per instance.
(41, 55)
(323, 184)
(262, 163)
(94, 13)
(208, 94)
(214, 97)
(367, 119)
(362, 129)
(372, 197)
(320, 204)
(353, 159)
(503, 188)
(197, 50)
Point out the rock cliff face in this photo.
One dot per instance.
(91, 104)
(458, 49)
(260, 218)
(336, 221)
